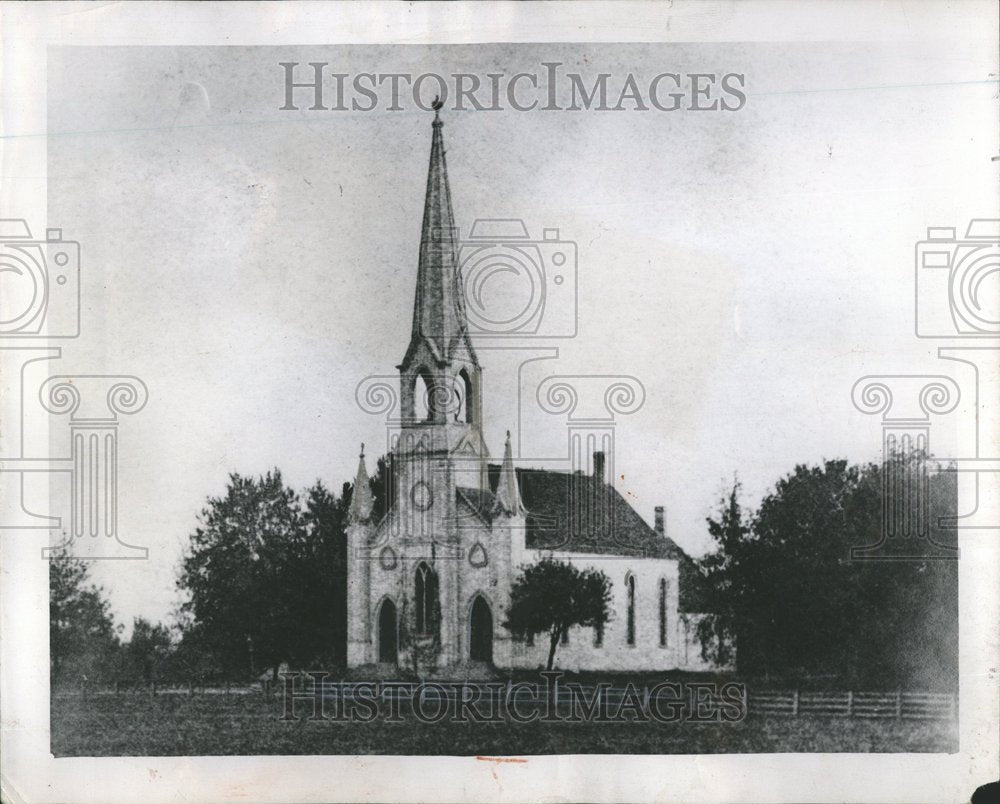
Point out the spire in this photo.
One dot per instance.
(439, 306)
(361, 500)
(508, 498)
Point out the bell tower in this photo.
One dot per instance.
(440, 375)
(415, 575)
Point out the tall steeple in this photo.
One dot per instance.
(440, 376)
(439, 318)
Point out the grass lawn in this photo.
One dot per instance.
(179, 724)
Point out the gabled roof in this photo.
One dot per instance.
(577, 513)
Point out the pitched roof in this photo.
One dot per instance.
(480, 501)
(576, 513)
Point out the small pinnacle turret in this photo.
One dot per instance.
(361, 500)
(508, 496)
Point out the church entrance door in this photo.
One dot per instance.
(387, 633)
(481, 631)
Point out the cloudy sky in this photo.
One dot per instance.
(253, 265)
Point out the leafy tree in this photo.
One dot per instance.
(240, 574)
(266, 576)
(322, 578)
(724, 572)
(784, 585)
(552, 596)
(194, 658)
(148, 651)
(82, 635)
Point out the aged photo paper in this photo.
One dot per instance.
(499, 402)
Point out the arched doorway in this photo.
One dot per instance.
(388, 633)
(481, 631)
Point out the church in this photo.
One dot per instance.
(429, 583)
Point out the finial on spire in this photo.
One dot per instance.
(362, 450)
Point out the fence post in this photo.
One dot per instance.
(850, 702)
(795, 702)
(899, 703)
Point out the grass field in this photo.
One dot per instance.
(180, 724)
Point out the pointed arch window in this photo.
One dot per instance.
(663, 612)
(423, 396)
(425, 596)
(459, 402)
(463, 388)
(630, 610)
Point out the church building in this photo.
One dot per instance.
(429, 583)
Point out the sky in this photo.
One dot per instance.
(254, 265)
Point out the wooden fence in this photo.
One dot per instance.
(908, 705)
(915, 705)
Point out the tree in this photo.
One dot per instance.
(784, 584)
(82, 635)
(240, 574)
(322, 578)
(147, 652)
(723, 571)
(552, 596)
(193, 659)
(266, 576)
